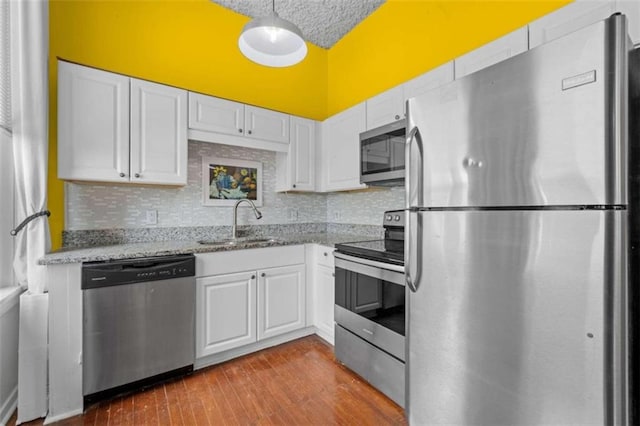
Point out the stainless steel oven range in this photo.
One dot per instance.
(370, 308)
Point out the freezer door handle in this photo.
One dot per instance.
(413, 241)
(414, 169)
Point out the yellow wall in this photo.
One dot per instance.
(190, 44)
(193, 44)
(405, 38)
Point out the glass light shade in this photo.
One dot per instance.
(272, 41)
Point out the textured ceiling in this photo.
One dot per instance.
(322, 22)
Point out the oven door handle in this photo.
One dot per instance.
(369, 262)
(370, 268)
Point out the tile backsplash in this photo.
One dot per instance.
(95, 206)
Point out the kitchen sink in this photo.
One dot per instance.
(238, 241)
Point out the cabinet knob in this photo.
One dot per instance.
(240, 130)
(397, 117)
(253, 277)
(122, 175)
(263, 274)
(326, 254)
(333, 274)
(294, 185)
(137, 175)
(249, 132)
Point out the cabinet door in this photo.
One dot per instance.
(385, 108)
(93, 124)
(341, 149)
(281, 300)
(225, 312)
(302, 158)
(215, 115)
(158, 133)
(428, 81)
(266, 124)
(491, 53)
(580, 14)
(324, 302)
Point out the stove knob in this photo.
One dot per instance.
(389, 217)
(397, 218)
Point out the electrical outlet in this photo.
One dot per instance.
(293, 214)
(152, 217)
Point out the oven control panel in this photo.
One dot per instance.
(394, 218)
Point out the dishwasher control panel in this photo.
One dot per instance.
(130, 271)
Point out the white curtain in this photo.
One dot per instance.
(29, 103)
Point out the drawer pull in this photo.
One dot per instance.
(367, 331)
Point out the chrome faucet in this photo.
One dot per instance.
(234, 229)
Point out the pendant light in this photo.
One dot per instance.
(272, 41)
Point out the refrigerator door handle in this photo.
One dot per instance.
(414, 170)
(413, 241)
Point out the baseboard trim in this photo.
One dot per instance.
(9, 406)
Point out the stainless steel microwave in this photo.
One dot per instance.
(382, 155)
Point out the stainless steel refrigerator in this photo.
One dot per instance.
(517, 239)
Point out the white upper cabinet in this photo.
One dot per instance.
(158, 133)
(265, 124)
(341, 149)
(582, 13)
(295, 170)
(385, 108)
(215, 114)
(428, 81)
(112, 128)
(253, 127)
(491, 53)
(93, 124)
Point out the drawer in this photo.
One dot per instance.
(383, 371)
(324, 256)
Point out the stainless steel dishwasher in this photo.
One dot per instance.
(138, 322)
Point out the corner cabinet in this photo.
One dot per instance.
(112, 128)
(296, 169)
(341, 149)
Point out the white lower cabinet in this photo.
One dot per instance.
(236, 308)
(281, 300)
(325, 300)
(324, 292)
(226, 312)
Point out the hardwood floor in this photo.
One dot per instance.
(298, 383)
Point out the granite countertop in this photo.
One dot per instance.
(165, 248)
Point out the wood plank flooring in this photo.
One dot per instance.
(297, 383)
